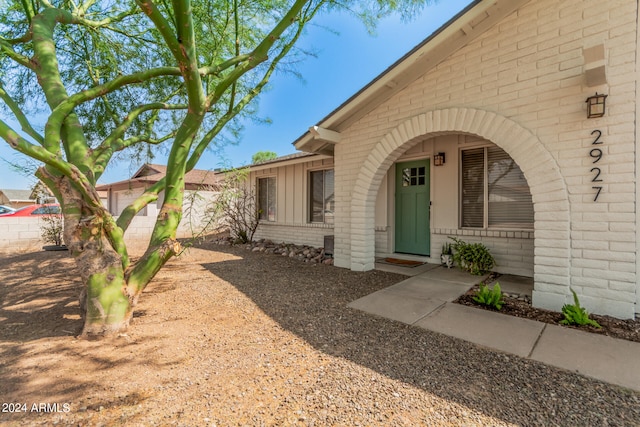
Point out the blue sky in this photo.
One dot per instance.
(346, 62)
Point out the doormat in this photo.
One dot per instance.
(401, 262)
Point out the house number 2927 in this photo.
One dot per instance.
(596, 156)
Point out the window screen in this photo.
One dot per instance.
(473, 188)
(267, 198)
(509, 198)
(322, 197)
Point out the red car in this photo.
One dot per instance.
(48, 209)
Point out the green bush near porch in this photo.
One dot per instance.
(472, 257)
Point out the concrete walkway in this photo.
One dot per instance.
(425, 300)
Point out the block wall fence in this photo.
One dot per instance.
(23, 234)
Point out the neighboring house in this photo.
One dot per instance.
(17, 198)
(199, 186)
(41, 194)
(20, 198)
(481, 132)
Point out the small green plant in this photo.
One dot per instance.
(574, 314)
(472, 257)
(489, 297)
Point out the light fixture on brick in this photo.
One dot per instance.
(438, 159)
(596, 105)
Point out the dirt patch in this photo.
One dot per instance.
(225, 336)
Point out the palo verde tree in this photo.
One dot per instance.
(114, 77)
(263, 156)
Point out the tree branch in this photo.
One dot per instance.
(7, 49)
(149, 8)
(115, 142)
(150, 195)
(79, 180)
(222, 122)
(22, 119)
(64, 108)
(260, 53)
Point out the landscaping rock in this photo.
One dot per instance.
(303, 253)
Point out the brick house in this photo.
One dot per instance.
(481, 132)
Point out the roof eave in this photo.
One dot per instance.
(289, 161)
(467, 25)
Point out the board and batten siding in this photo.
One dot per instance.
(292, 224)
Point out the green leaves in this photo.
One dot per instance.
(263, 156)
(574, 314)
(489, 297)
(472, 257)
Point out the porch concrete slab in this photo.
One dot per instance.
(425, 287)
(608, 359)
(494, 330)
(411, 299)
(397, 306)
(454, 275)
(404, 270)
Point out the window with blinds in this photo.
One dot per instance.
(267, 199)
(321, 197)
(494, 191)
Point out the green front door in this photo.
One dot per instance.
(412, 207)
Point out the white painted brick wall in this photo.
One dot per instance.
(513, 254)
(529, 69)
(298, 234)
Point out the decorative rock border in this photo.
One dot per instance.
(302, 253)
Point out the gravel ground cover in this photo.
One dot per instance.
(230, 337)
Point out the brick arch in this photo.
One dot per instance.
(548, 189)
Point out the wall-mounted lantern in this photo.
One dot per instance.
(438, 159)
(595, 106)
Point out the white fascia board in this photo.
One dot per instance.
(324, 134)
(288, 162)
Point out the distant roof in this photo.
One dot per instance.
(284, 158)
(150, 174)
(18, 195)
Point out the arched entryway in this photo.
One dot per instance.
(548, 190)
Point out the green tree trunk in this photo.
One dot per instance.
(105, 299)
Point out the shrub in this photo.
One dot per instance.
(52, 228)
(489, 297)
(235, 207)
(472, 257)
(574, 314)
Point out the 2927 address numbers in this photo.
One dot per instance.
(596, 155)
